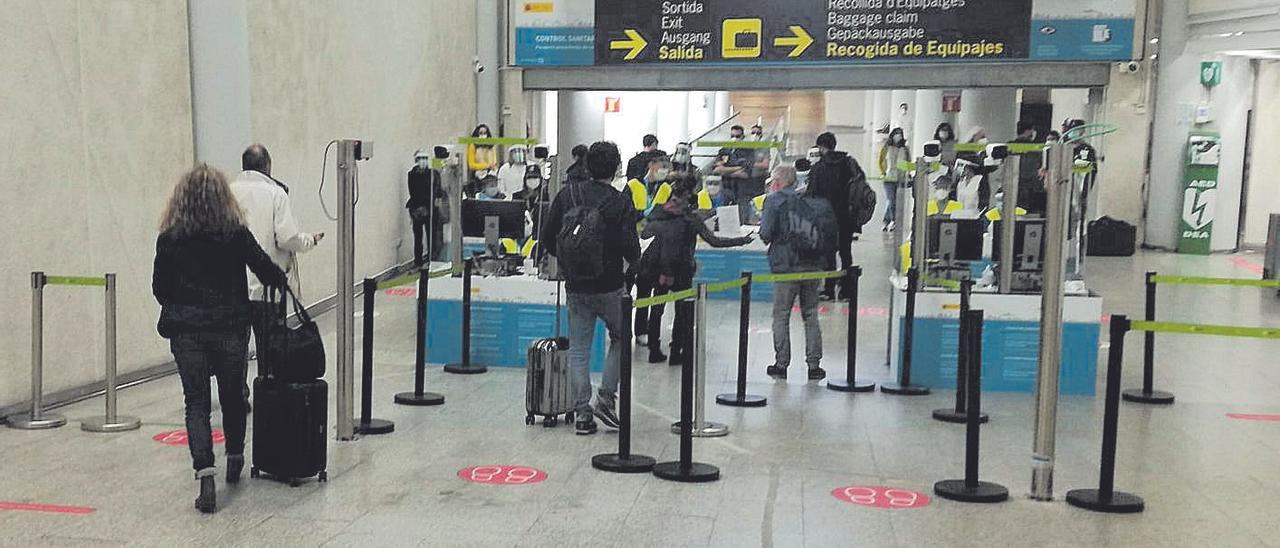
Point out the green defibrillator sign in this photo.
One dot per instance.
(1210, 73)
(1199, 192)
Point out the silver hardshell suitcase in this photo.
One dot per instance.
(548, 388)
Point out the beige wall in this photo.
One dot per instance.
(94, 130)
(1123, 172)
(394, 72)
(1263, 198)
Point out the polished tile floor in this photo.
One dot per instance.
(1208, 480)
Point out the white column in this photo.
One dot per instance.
(580, 121)
(896, 117)
(995, 109)
(928, 115)
(219, 37)
(868, 128)
(489, 47)
(1177, 85)
(881, 115)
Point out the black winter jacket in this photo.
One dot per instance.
(675, 238)
(832, 178)
(200, 281)
(618, 215)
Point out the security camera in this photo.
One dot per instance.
(1131, 67)
(997, 151)
(541, 152)
(442, 152)
(932, 151)
(477, 66)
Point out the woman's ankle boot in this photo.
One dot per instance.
(207, 502)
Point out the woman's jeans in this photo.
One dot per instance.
(200, 356)
(890, 201)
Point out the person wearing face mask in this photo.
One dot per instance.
(490, 189)
(713, 195)
(535, 195)
(668, 264)
(481, 159)
(425, 200)
(892, 154)
(754, 185)
(838, 178)
(946, 136)
(511, 174)
(970, 187)
(734, 164)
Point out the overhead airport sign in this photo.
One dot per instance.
(832, 31)
(779, 33)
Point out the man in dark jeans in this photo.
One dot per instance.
(595, 296)
(833, 178)
(424, 190)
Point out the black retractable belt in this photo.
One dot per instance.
(904, 387)
(850, 382)
(741, 398)
(624, 461)
(1105, 498)
(958, 414)
(970, 489)
(466, 367)
(367, 424)
(418, 397)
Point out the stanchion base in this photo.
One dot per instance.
(375, 427)
(707, 430)
(985, 491)
(459, 369)
(123, 423)
(419, 400)
(851, 386)
(747, 400)
(1120, 503)
(1157, 397)
(613, 462)
(46, 421)
(697, 472)
(949, 414)
(895, 389)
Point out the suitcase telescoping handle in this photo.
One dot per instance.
(558, 309)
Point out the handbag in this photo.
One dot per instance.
(291, 354)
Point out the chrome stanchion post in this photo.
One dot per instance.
(111, 422)
(1148, 393)
(701, 427)
(1105, 498)
(37, 419)
(1058, 186)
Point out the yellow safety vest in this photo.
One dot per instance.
(758, 201)
(509, 246)
(639, 194)
(527, 250)
(704, 200)
(662, 195)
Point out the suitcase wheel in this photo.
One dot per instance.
(253, 472)
(550, 422)
(529, 419)
(323, 477)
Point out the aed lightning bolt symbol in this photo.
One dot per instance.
(1198, 209)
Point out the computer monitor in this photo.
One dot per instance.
(510, 214)
(1028, 244)
(953, 240)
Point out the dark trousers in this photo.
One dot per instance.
(684, 315)
(420, 234)
(200, 356)
(845, 253)
(644, 290)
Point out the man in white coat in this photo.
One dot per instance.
(269, 216)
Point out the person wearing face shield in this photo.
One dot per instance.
(1031, 192)
(682, 159)
(511, 174)
(970, 187)
(426, 197)
(754, 184)
(892, 154)
(713, 195)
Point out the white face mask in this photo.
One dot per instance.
(662, 174)
(424, 163)
(984, 140)
(491, 191)
(533, 184)
(802, 180)
(944, 135)
(713, 190)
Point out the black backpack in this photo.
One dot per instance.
(580, 243)
(810, 226)
(862, 200)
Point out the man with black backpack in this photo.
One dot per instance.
(591, 230)
(801, 232)
(838, 178)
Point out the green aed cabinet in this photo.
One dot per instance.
(1199, 192)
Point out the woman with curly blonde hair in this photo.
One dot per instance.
(200, 283)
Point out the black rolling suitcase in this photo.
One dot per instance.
(548, 390)
(291, 416)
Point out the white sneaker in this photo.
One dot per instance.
(642, 340)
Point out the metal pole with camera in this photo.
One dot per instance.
(1058, 186)
(349, 152)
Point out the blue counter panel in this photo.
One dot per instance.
(500, 332)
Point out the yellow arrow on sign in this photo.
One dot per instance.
(634, 42)
(799, 42)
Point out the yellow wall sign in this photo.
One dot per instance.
(539, 7)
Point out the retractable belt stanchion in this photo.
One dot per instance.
(850, 383)
(904, 387)
(37, 419)
(702, 428)
(368, 425)
(1148, 394)
(466, 367)
(959, 414)
(111, 422)
(686, 470)
(1105, 498)
(418, 397)
(624, 461)
(970, 489)
(741, 398)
